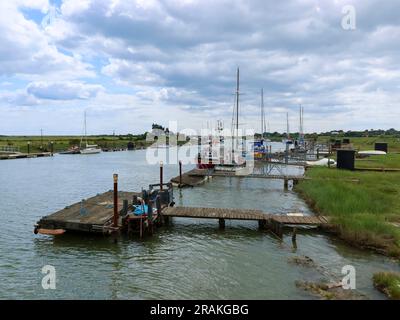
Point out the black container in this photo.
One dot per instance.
(345, 159)
(130, 145)
(346, 141)
(381, 146)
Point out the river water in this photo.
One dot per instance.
(190, 259)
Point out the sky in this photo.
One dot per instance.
(131, 63)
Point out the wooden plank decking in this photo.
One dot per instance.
(243, 214)
(88, 216)
(196, 176)
(214, 213)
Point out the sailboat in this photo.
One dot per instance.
(259, 147)
(288, 140)
(90, 148)
(235, 160)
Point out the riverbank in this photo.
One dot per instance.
(61, 143)
(364, 212)
(388, 283)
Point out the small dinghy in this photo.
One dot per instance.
(372, 152)
(322, 163)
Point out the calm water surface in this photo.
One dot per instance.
(190, 259)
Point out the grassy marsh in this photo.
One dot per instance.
(364, 212)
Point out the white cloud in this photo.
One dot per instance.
(63, 90)
(165, 59)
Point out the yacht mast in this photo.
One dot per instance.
(287, 125)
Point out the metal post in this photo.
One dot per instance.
(329, 155)
(180, 174)
(161, 175)
(115, 218)
(287, 153)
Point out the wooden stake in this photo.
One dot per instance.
(115, 218)
(161, 175)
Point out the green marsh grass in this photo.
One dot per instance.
(388, 283)
(363, 206)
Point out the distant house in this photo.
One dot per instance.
(335, 133)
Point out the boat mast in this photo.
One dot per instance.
(287, 125)
(262, 113)
(85, 130)
(237, 106)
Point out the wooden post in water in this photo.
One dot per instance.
(180, 174)
(294, 238)
(221, 223)
(51, 147)
(115, 218)
(287, 153)
(29, 147)
(161, 175)
(294, 234)
(286, 184)
(160, 218)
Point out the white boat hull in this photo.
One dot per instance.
(90, 151)
(372, 152)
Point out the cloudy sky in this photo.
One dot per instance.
(134, 62)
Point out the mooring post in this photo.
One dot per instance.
(29, 147)
(115, 218)
(150, 217)
(125, 207)
(161, 175)
(159, 212)
(287, 153)
(180, 174)
(51, 147)
(221, 223)
(286, 184)
(329, 154)
(294, 234)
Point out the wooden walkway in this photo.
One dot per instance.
(214, 213)
(211, 173)
(189, 179)
(244, 214)
(11, 156)
(95, 215)
(90, 215)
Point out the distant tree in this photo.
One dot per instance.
(157, 126)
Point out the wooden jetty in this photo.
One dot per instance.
(189, 179)
(195, 177)
(270, 221)
(10, 156)
(116, 211)
(89, 215)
